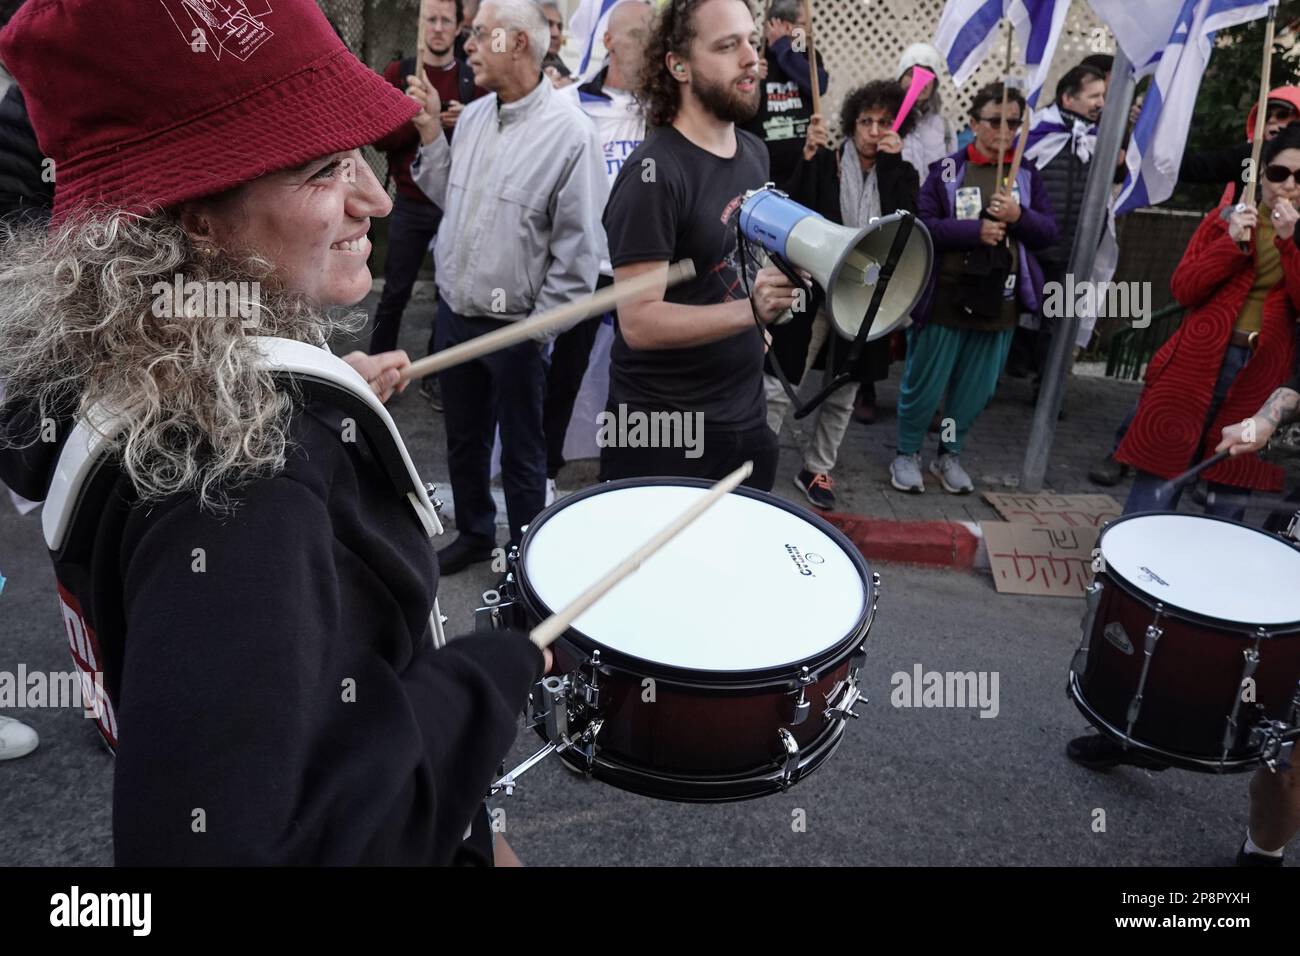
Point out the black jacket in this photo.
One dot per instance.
(816, 184)
(24, 192)
(275, 671)
(1065, 179)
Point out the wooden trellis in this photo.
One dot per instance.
(862, 40)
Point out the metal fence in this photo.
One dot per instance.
(378, 32)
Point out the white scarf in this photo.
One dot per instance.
(859, 192)
(1051, 131)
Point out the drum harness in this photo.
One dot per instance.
(86, 470)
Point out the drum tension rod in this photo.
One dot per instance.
(802, 706)
(791, 762)
(1153, 635)
(1250, 658)
(1092, 600)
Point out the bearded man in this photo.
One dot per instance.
(695, 349)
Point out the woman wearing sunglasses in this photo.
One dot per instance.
(1240, 282)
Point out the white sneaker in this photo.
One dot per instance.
(947, 468)
(16, 739)
(905, 473)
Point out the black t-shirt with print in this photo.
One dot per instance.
(781, 122)
(674, 200)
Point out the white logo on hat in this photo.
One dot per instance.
(221, 26)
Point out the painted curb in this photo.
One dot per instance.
(956, 545)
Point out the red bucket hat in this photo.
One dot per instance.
(143, 104)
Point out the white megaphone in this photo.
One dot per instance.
(847, 263)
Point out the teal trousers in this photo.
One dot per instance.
(963, 364)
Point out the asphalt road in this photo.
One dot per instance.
(907, 786)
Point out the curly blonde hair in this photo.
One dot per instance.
(79, 327)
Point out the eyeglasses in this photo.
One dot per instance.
(1277, 173)
(1281, 113)
(478, 33)
(1012, 124)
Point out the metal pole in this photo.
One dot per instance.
(1092, 220)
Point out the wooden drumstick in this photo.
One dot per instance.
(419, 42)
(555, 625)
(560, 316)
(1165, 489)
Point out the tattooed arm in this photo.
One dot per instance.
(1253, 434)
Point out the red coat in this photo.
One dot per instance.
(1212, 281)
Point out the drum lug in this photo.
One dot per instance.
(1275, 742)
(802, 706)
(1092, 600)
(843, 708)
(585, 689)
(1153, 635)
(1250, 657)
(496, 612)
(790, 759)
(432, 491)
(584, 744)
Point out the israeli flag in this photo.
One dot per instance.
(1173, 40)
(967, 29)
(588, 24)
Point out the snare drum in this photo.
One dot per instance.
(725, 668)
(1191, 641)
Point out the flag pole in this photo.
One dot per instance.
(812, 60)
(1261, 111)
(1092, 220)
(1006, 85)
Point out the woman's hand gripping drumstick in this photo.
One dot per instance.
(555, 625)
(559, 317)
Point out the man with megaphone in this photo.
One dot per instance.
(693, 350)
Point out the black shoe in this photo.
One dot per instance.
(864, 406)
(1101, 753)
(463, 552)
(1256, 859)
(817, 487)
(1108, 472)
(430, 392)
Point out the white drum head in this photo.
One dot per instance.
(748, 586)
(1213, 568)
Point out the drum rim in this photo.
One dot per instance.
(1185, 761)
(698, 788)
(1278, 630)
(721, 679)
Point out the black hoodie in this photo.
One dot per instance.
(276, 695)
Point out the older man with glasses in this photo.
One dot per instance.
(521, 234)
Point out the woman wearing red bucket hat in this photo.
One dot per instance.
(249, 589)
